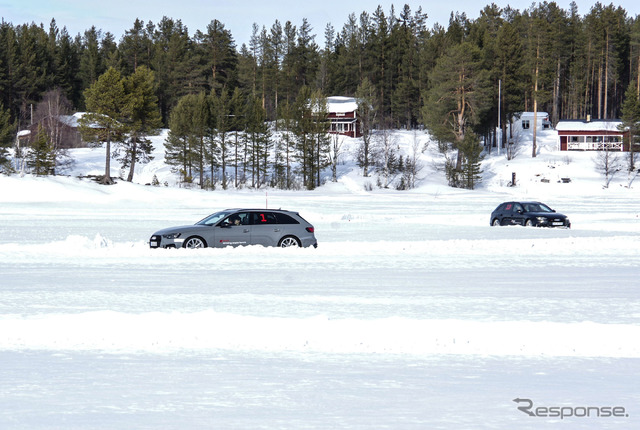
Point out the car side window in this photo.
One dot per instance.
(285, 219)
(240, 218)
(518, 208)
(507, 207)
(263, 218)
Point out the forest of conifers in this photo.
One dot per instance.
(584, 62)
(568, 63)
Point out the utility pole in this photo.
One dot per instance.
(499, 132)
(535, 103)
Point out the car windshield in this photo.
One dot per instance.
(213, 218)
(537, 207)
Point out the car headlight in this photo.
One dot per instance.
(541, 219)
(171, 236)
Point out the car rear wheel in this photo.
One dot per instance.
(289, 241)
(194, 242)
(496, 222)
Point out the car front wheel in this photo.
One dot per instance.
(194, 242)
(529, 223)
(288, 241)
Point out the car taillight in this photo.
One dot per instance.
(310, 229)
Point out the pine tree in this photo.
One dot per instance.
(175, 65)
(306, 59)
(191, 144)
(219, 55)
(631, 122)
(258, 141)
(178, 152)
(288, 63)
(32, 62)
(276, 42)
(381, 73)
(472, 153)
(303, 131)
(235, 117)
(6, 137)
(40, 158)
(348, 58)
(102, 124)
(135, 47)
(367, 112)
(286, 146)
(508, 69)
(454, 100)
(141, 117)
(8, 66)
(67, 63)
(220, 110)
(92, 65)
(321, 140)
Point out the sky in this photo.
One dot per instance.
(117, 16)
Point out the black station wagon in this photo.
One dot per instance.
(534, 214)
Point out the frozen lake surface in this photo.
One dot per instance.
(412, 313)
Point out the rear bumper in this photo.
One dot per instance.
(309, 241)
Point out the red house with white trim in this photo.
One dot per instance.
(588, 135)
(343, 115)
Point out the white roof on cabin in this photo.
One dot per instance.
(71, 120)
(340, 104)
(583, 125)
(531, 115)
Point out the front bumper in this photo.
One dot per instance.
(157, 241)
(553, 222)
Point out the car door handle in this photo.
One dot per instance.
(276, 229)
(246, 230)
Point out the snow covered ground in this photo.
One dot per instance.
(412, 313)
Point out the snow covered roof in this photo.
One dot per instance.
(584, 125)
(71, 120)
(341, 104)
(531, 115)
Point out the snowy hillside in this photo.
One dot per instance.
(540, 174)
(412, 313)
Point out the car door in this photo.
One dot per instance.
(517, 214)
(265, 230)
(503, 213)
(228, 234)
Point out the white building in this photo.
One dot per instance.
(525, 120)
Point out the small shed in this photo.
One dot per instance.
(588, 135)
(343, 115)
(64, 128)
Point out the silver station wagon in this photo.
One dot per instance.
(238, 227)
